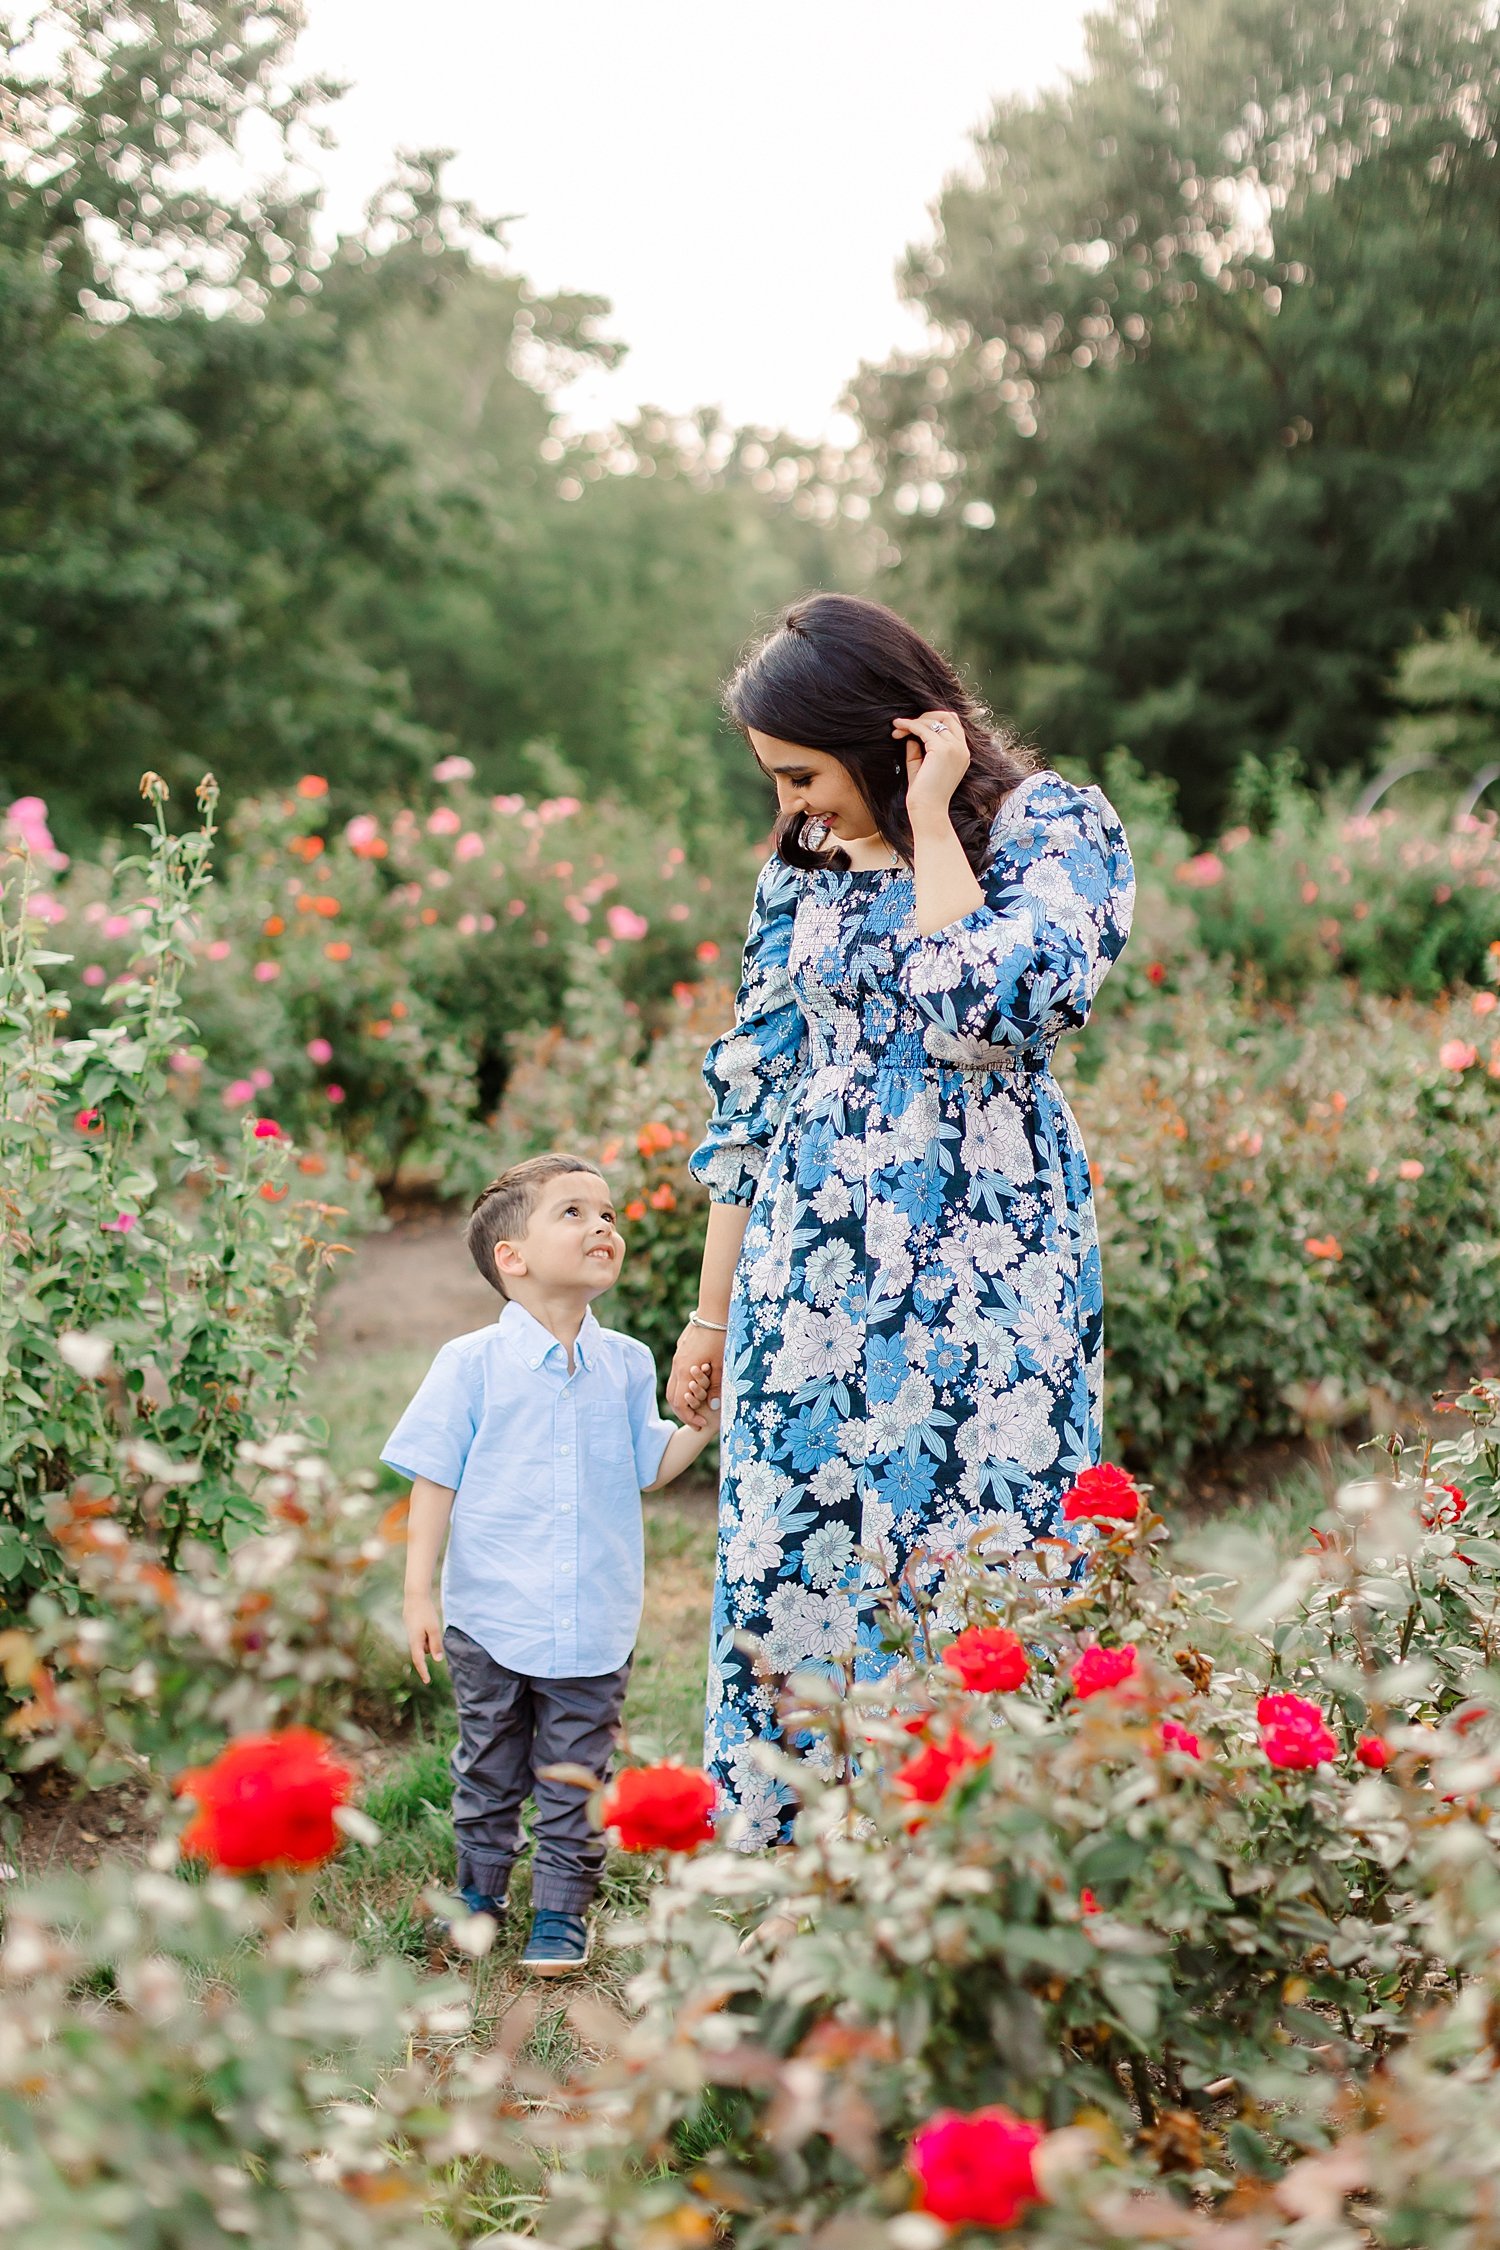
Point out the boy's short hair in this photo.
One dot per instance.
(502, 1211)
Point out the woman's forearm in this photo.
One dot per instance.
(721, 1252)
(946, 886)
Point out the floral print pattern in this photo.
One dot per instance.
(915, 1337)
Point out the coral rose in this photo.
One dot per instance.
(1102, 1495)
(1101, 1668)
(987, 1658)
(267, 1800)
(927, 1778)
(1293, 1733)
(976, 2169)
(665, 1808)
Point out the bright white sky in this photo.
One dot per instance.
(740, 180)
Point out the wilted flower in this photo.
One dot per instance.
(1099, 1669)
(988, 1659)
(1439, 1512)
(663, 1808)
(268, 1800)
(976, 2168)
(1102, 1495)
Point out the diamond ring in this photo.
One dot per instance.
(940, 726)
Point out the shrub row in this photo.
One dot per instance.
(1297, 1210)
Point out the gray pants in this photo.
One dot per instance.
(510, 1725)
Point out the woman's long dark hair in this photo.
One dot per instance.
(831, 675)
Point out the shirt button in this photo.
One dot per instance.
(565, 1449)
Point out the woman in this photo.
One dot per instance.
(900, 1296)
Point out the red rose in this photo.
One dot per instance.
(1293, 1732)
(88, 1121)
(665, 1808)
(1443, 1506)
(267, 1129)
(1102, 1495)
(1156, 972)
(975, 2170)
(1174, 1737)
(1101, 1668)
(1087, 1903)
(1371, 1751)
(987, 1657)
(927, 1777)
(268, 1800)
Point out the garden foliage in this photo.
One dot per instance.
(1178, 1902)
(156, 1296)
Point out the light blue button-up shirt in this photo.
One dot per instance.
(545, 1567)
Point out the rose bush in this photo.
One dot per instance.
(1093, 1993)
(1299, 1212)
(368, 979)
(156, 1295)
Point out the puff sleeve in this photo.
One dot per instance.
(1058, 897)
(751, 1072)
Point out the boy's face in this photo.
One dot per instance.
(571, 1240)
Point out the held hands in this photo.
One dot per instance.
(697, 1376)
(937, 758)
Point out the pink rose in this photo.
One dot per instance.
(319, 1051)
(1457, 1054)
(453, 769)
(469, 846)
(624, 924)
(443, 822)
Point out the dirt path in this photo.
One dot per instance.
(410, 1287)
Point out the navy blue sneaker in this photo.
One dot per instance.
(558, 1944)
(480, 1902)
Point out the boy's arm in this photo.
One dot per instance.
(683, 1448)
(426, 1529)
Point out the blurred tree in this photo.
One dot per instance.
(1212, 427)
(590, 591)
(267, 505)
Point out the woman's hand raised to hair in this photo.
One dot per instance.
(937, 758)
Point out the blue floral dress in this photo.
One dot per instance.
(915, 1335)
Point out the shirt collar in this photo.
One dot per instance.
(534, 1342)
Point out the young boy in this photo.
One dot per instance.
(536, 1437)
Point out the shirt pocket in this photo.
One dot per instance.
(609, 1442)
